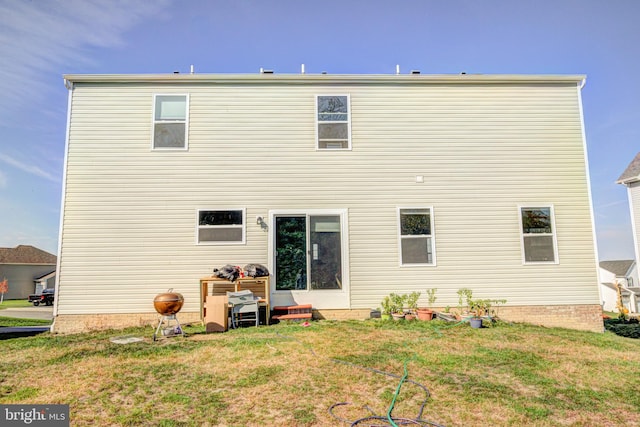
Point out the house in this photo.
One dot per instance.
(625, 274)
(23, 266)
(347, 187)
(631, 179)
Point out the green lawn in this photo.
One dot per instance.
(15, 303)
(14, 321)
(505, 375)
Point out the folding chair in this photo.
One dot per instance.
(244, 307)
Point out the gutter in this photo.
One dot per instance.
(354, 79)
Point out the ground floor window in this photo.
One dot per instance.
(416, 236)
(538, 234)
(221, 226)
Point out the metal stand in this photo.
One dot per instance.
(169, 331)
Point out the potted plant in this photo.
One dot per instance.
(479, 308)
(464, 295)
(427, 313)
(412, 305)
(397, 305)
(386, 308)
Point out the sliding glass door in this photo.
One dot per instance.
(308, 253)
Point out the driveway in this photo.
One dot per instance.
(40, 312)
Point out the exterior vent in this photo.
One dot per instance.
(415, 71)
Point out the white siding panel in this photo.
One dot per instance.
(633, 190)
(129, 218)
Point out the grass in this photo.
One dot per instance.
(14, 321)
(506, 375)
(15, 303)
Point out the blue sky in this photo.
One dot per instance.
(42, 39)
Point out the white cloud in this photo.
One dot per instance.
(26, 167)
(39, 37)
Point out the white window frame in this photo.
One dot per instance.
(318, 122)
(243, 226)
(553, 233)
(401, 237)
(185, 121)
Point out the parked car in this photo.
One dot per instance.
(46, 297)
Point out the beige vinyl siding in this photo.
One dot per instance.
(483, 149)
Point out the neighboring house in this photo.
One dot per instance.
(624, 273)
(348, 187)
(631, 179)
(45, 281)
(23, 266)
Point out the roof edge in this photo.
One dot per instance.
(324, 78)
(630, 180)
(632, 173)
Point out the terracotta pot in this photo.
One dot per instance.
(424, 314)
(168, 303)
(409, 317)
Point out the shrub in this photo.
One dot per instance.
(628, 329)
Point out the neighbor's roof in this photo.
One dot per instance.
(46, 276)
(632, 173)
(26, 254)
(355, 79)
(618, 267)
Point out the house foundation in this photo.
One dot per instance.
(579, 317)
(78, 323)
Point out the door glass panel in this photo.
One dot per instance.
(325, 254)
(291, 253)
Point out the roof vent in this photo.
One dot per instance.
(415, 71)
(263, 71)
(176, 72)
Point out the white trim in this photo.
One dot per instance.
(65, 165)
(317, 123)
(328, 79)
(319, 298)
(432, 235)
(221, 243)
(554, 233)
(186, 123)
(588, 177)
(634, 226)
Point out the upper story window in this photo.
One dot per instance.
(170, 122)
(538, 235)
(223, 226)
(333, 122)
(416, 236)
